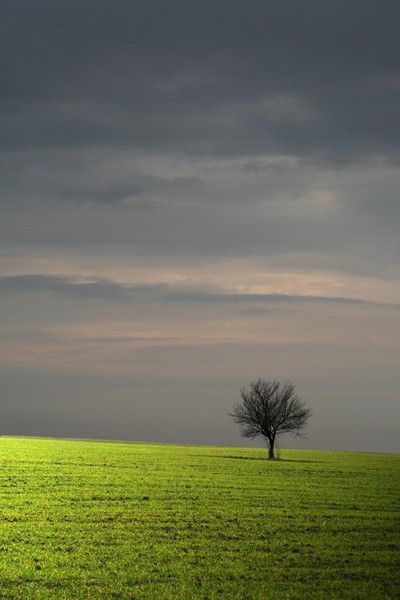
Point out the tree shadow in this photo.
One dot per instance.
(234, 457)
(263, 458)
(299, 460)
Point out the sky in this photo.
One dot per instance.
(194, 195)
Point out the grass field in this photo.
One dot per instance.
(105, 520)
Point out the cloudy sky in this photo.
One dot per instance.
(195, 194)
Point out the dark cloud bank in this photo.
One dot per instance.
(313, 80)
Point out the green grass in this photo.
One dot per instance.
(105, 520)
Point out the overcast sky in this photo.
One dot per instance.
(194, 195)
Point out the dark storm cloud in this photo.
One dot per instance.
(316, 79)
(90, 86)
(161, 293)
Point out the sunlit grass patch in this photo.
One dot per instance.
(118, 520)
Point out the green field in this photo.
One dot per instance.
(84, 519)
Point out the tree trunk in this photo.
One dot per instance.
(271, 455)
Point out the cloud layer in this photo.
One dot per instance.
(226, 78)
(190, 184)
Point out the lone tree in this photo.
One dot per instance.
(268, 409)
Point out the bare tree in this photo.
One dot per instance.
(268, 409)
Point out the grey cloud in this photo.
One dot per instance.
(215, 78)
(163, 292)
(79, 177)
(272, 89)
(134, 339)
(39, 337)
(160, 133)
(63, 285)
(198, 296)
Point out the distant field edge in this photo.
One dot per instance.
(186, 445)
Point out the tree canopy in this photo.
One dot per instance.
(270, 408)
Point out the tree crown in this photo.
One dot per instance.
(269, 408)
